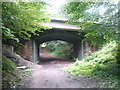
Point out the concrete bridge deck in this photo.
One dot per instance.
(59, 31)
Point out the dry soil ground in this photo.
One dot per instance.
(48, 74)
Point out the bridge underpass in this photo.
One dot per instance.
(62, 31)
(50, 74)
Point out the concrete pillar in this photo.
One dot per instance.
(35, 51)
(82, 51)
(79, 51)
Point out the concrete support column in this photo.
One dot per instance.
(35, 51)
(79, 51)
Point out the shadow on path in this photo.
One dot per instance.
(48, 74)
(46, 57)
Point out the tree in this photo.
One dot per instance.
(22, 19)
(97, 20)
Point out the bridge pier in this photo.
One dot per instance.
(35, 51)
(79, 51)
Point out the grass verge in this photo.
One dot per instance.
(102, 64)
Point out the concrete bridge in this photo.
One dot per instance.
(60, 31)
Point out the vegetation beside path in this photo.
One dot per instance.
(12, 76)
(97, 20)
(100, 26)
(59, 48)
(102, 64)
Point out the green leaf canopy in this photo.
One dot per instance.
(22, 19)
(99, 21)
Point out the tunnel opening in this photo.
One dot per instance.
(56, 50)
(62, 35)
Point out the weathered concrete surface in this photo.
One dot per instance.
(68, 33)
(64, 35)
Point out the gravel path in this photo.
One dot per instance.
(50, 75)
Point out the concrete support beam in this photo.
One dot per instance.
(35, 51)
(79, 51)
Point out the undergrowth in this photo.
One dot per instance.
(102, 64)
(62, 50)
(11, 76)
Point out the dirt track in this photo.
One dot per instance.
(50, 75)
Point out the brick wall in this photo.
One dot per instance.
(26, 52)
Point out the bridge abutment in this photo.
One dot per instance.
(78, 51)
(36, 56)
(31, 50)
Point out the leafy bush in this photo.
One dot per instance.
(97, 25)
(59, 48)
(102, 63)
(7, 64)
(9, 76)
(21, 20)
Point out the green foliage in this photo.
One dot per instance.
(11, 76)
(102, 63)
(7, 34)
(7, 64)
(59, 48)
(98, 26)
(62, 51)
(75, 10)
(20, 20)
